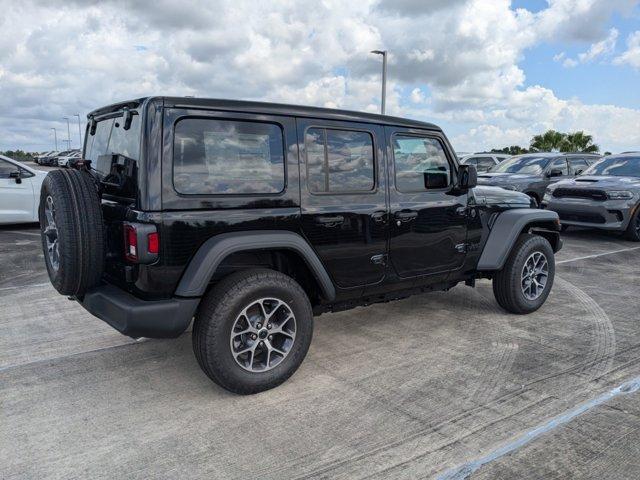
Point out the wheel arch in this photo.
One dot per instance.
(509, 226)
(279, 249)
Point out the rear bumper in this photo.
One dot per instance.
(136, 318)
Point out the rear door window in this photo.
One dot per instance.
(339, 161)
(212, 156)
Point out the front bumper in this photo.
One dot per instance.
(583, 212)
(137, 318)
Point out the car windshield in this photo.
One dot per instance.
(524, 164)
(616, 166)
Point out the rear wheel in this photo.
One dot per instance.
(633, 230)
(525, 281)
(252, 330)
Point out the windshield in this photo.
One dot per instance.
(616, 166)
(523, 164)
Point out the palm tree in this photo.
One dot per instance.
(549, 141)
(579, 142)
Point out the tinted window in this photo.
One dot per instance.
(227, 157)
(522, 164)
(125, 142)
(617, 166)
(6, 168)
(578, 165)
(420, 164)
(339, 161)
(485, 164)
(559, 164)
(97, 143)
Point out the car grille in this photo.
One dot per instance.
(581, 217)
(580, 193)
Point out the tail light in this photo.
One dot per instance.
(141, 243)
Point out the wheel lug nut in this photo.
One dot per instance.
(254, 336)
(261, 343)
(270, 337)
(269, 326)
(259, 325)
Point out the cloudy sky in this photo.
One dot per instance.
(490, 72)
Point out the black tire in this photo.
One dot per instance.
(633, 230)
(79, 232)
(507, 283)
(217, 314)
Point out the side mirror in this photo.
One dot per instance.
(16, 176)
(467, 177)
(579, 171)
(555, 172)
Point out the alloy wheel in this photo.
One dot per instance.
(51, 234)
(263, 334)
(535, 274)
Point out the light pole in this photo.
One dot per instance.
(384, 77)
(55, 138)
(79, 129)
(68, 133)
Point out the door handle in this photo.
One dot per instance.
(379, 217)
(410, 215)
(330, 221)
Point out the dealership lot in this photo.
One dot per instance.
(425, 387)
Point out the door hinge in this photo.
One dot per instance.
(380, 259)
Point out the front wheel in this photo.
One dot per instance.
(253, 330)
(633, 230)
(525, 281)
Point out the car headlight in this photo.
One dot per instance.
(619, 194)
(548, 193)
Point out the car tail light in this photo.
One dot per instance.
(153, 243)
(130, 243)
(141, 243)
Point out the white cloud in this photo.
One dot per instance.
(597, 50)
(61, 58)
(632, 55)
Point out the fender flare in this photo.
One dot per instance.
(505, 231)
(195, 280)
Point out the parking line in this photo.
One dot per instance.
(24, 286)
(465, 471)
(21, 232)
(598, 255)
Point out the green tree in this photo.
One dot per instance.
(512, 150)
(549, 141)
(579, 142)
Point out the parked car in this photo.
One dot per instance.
(38, 158)
(253, 217)
(532, 173)
(47, 158)
(605, 196)
(483, 161)
(19, 191)
(51, 160)
(64, 159)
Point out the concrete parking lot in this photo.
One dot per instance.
(439, 385)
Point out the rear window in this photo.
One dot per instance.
(213, 156)
(112, 138)
(339, 161)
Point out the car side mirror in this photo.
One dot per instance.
(467, 177)
(16, 176)
(555, 172)
(578, 172)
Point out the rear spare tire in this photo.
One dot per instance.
(72, 231)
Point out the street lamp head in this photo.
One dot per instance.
(379, 52)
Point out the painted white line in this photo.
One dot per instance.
(25, 286)
(598, 255)
(20, 232)
(464, 471)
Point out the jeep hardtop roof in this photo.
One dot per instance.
(267, 108)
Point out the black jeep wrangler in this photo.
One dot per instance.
(251, 218)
